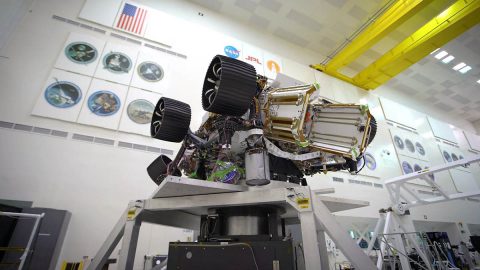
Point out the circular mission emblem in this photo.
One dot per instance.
(150, 71)
(370, 161)
(407, 168)
(140, 111)
(63, 94)
(420, 148)
(81, 52)
(117, 62)
(103, 103)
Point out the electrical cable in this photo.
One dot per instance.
(364, 162)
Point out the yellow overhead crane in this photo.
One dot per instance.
(450, 23)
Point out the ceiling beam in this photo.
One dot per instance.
(397, 14)
(449, 24)
(453, 21)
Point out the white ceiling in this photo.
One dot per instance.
(436, 84)
(323, 25)
(310, 24)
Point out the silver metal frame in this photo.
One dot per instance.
(37, 218)
(393, 222)
(302, 206)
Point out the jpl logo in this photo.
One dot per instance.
(231, 51)
(253, 59)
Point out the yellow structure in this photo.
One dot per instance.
(453, 21)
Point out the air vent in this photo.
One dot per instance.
(115, 35)
(407, 129)
(22, 127)
(84, 138)
(103, 141)
(134, 41)
(451, 144)
(59, 133)
(165, 50)
(80, 137)
(167, 152)
(125, 145)
(72, 22)
(360, 182)
(86, 26)
(153, 149)
(155, 47)
(337, 179)
(140, 147)
(4, 124)
(58, 18)
(98, 30)
(40, 130)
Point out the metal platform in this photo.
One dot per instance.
(179, 202)
(174, 186)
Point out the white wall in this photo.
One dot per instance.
(95, 182)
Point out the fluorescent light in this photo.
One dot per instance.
(478, 81)
(459, 66)
(448, 59)
(465, 69)
(435, 51)
(441, 54)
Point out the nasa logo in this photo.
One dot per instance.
(273, 66)
(253, 59)
(231, 52)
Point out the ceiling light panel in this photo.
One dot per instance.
(441, 54)
(465, 69)
(459, 66)
(448, 59)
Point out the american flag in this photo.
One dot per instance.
(132, 19)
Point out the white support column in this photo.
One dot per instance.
(322, 246)
(386, 230)
(348, 246)
(400, 247)
(129, 244)
(310, 246)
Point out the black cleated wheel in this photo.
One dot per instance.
(170, 120)
(157, 170)
(373, 129)
(229, 86)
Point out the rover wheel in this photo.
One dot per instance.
(229, 86)
(157, 170)
(170, 120)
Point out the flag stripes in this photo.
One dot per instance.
(132, 19)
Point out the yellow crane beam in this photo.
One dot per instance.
(397, 14)
(449, 24)
(459, 17)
